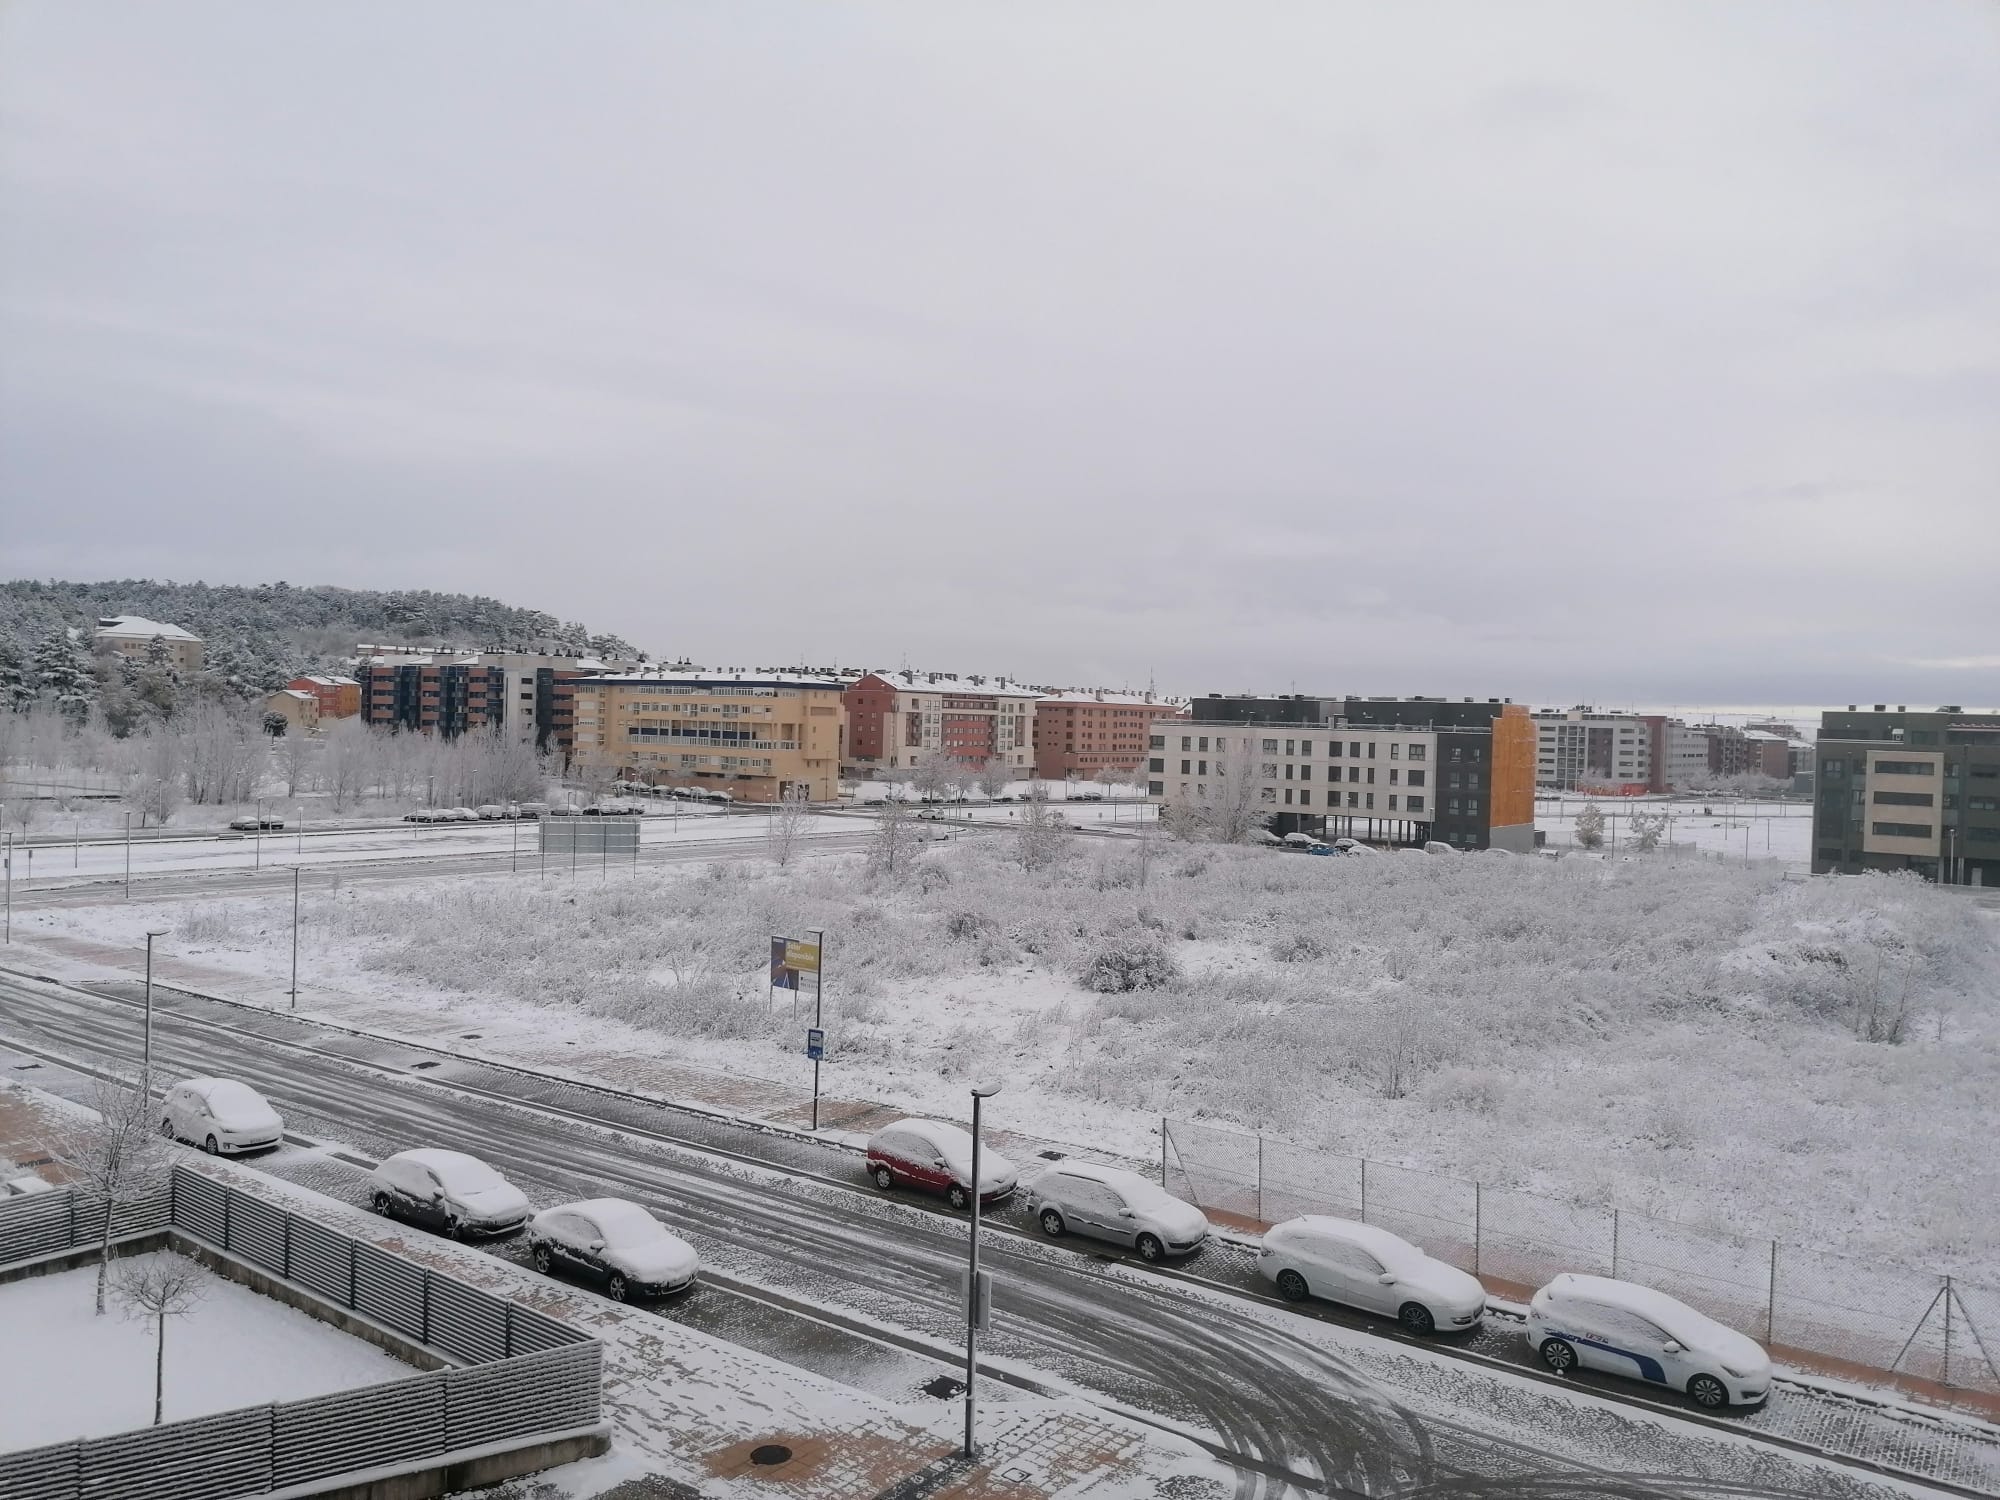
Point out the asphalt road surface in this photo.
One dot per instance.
(1293, 1414)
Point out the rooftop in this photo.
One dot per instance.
(142, 628)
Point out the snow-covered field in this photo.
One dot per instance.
(1696, 1039)
(1735, 830)
(68, 1373)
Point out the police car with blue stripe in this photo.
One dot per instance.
(1595, 1323)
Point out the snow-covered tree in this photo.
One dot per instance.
(62, 675)
(153, 1289)
(785, 830)
(15, 693)
(1226, 804)
(894, 841)
(933, 775)
(1589, 831)
(1648, 828)
(994, 776)
(1041, 839)
(113, 1155)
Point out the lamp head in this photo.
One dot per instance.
(158, 931)
(989, 1089)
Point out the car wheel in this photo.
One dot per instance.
(884, 1178)
(452, 1228)
(544, 1262)
(1052, 1223)
(1150, 1247)
(1558, 1356)
(616, 1289)
(210, 1147)
(1708, 1392)
(956, 1196)
(1416, 1318)
(167, 1129)
(1292, 1286)
(380, 1203)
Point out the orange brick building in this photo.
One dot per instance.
(338, 697)
(1082, 734)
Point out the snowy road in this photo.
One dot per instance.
(1289, 1396)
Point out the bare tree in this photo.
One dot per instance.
(159, 1287)
(1041, 839)
(785, 830)
(1589, 831)
(933, 775)
(1226, 804)
(993, 776)
(1648, 828)
(113, 1156)
(894, 841)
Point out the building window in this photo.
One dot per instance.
(1413, 804)
(1305, 773)
(1901, 830)
(1394, 772)
(1204, 742)
(1371, 776)
(1904, 799)
(1354, 773)
(1371, 802)
(1187, 768)
(1305, 798)
(1354, 799)
(1187, 742)
(1903, 768)
(1156, 764)
(1291, 747)
(1451, 807)
(1288, 796)
(1354, 749)
(1392, 802)
(1156, 742)
(1416, 752)
(1267, 794)
(1472, 807)
(1395, 751)
(1371, 749)
(1416, 778)
(1270, 747)
(1305, 747)
(1333, 747)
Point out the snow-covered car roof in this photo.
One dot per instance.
(623, 1223)
(1390, 1249)
(1670, 1313)
(453, 1168)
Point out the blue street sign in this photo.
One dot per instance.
(815, 1043)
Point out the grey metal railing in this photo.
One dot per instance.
(524, 1373)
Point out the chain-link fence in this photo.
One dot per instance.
(1861, 1317)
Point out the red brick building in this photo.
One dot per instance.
(895, 719)
(1085, 733)
(338, 697)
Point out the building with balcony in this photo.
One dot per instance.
(337, 697)
(1896, 790)
(425, 695)
(1398, 771)
(1083, 734)
(757, 736)
(896, 719)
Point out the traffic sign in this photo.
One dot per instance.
(815, 1043)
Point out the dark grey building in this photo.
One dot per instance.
(1897, 790)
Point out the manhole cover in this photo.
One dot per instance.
(770, 1453)
(944, 1387)
(419, 1067)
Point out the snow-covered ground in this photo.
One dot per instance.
(68, 1373)
(1750, 831)
(1696, 1039)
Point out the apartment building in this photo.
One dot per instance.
(1082, 734)
(426, 695)
(757, 736)
(337, 697)
(528, 692)
(1896, 790)
(133, 635)
(1399, 771)
(300, 710)
(1620, 754)
(895, 719)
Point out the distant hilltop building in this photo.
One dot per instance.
(131, 635)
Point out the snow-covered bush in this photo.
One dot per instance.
(1134, 964)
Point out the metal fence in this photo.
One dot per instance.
(525, 1374)
(1869, 1317)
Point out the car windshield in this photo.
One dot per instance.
(235, 1098)
(1143, 1196)
(625, 1224)
(467, 1174)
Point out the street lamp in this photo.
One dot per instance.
(294, 991)
(146, 1068)
(975, 1304)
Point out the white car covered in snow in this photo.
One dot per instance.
(220, 1115)
(1367, 1267)
(448, 1191)
(1110, 1203)
(1621, 1328)
(613, 1241)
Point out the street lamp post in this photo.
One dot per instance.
(294, 991)
(146, 1067)
(974, 1303)
(260, 834)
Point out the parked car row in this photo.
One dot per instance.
(256, 825)
(1575, 1322)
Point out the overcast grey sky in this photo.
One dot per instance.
(1611, 351)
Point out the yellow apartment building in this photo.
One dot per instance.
(753, 735)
